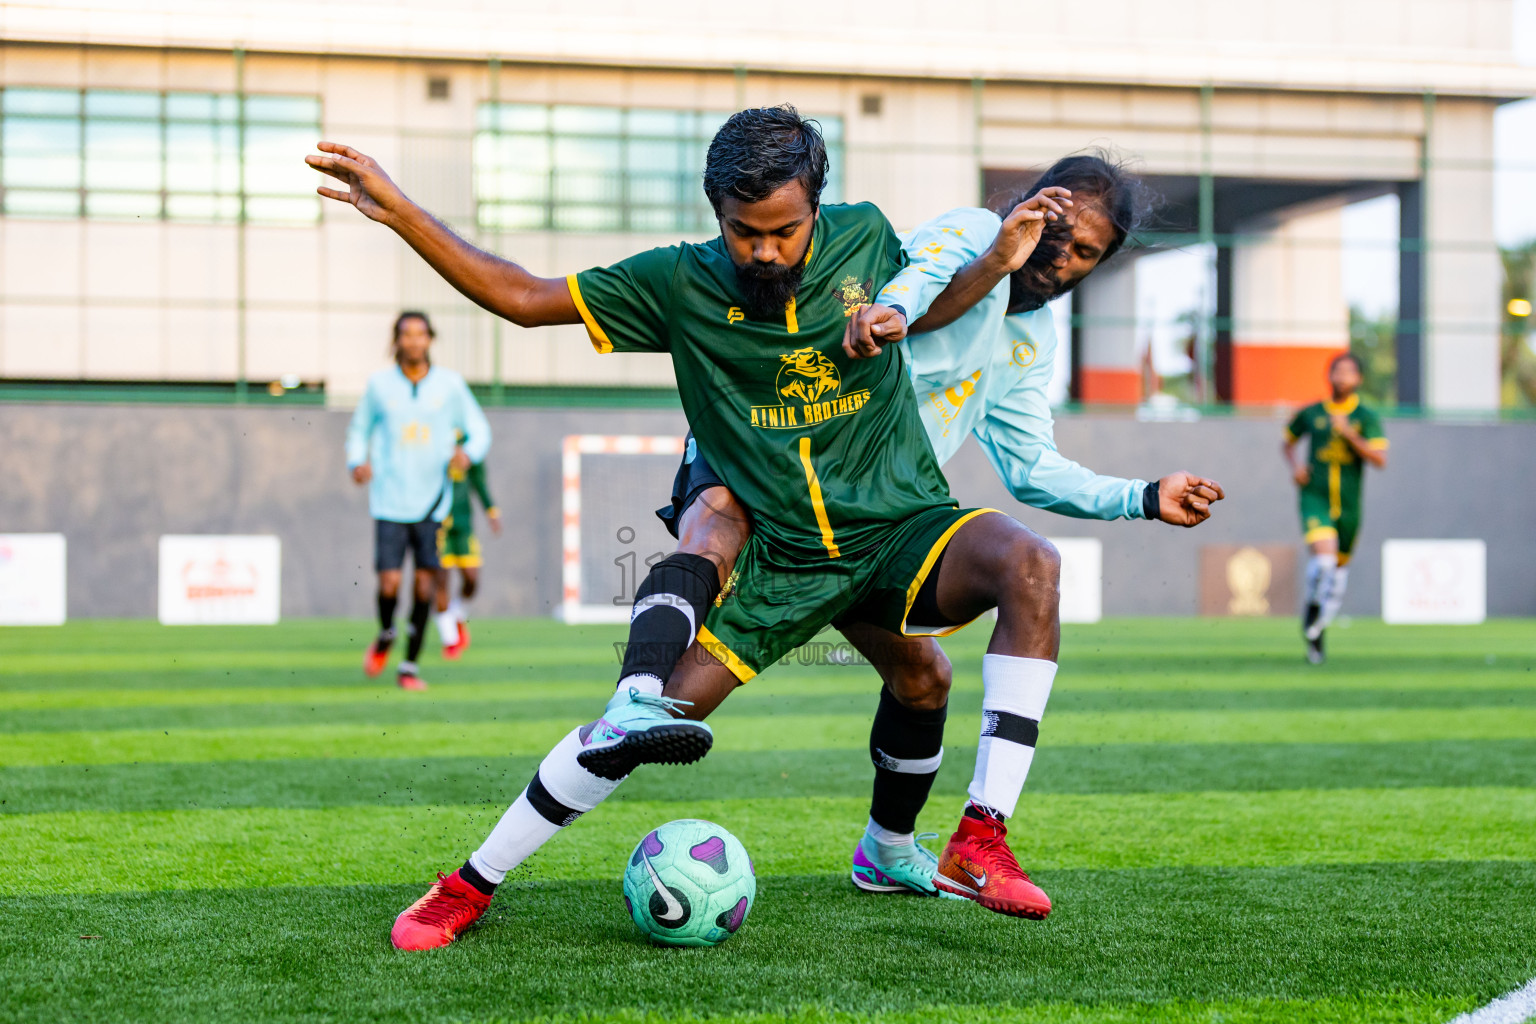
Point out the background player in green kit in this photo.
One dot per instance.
(1343, 435)
(853, 522)
(459, 548)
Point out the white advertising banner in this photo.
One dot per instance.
(209, 580)
(1082, 579)
(1434, 581)
(32, 579)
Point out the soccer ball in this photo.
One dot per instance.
(689, 883)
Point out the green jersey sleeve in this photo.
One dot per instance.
(1298, 424)
(1371, 429)
(624, 307)
(476, 476)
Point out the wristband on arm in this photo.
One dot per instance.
(1150, 504)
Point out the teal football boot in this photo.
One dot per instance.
(637, 728)
(888, 869)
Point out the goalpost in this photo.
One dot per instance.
(609, 537)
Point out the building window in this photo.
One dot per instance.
(570, 168)
(138, 154)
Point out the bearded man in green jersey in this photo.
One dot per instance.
(1343, 436)
(853, 524)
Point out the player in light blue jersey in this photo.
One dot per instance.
(980, 357)
(401, 442)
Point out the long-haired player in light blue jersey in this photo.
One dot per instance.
(400, 443)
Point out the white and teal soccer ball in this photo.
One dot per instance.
(689, 883)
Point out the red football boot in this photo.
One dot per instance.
(451, 652)
(377, 656)
(978, 865)
(408, 679)
(441, 916)
(463, 636)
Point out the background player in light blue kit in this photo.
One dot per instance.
(401, 441)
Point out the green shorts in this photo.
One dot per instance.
(458, 547)
(1318, 520)
(769, 609)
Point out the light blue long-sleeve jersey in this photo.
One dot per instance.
(407, 432)
(987, 373)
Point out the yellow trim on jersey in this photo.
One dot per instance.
(1380, 444)
(727, 657)
(816, 503)
(791, 323)
(1335, 491)
(599, 339)
(1344, 557)
(1319, 533)
(1343, 408)
(1289, 437)
(927, 566)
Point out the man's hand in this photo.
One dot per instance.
(871, 328)
(1184, 499)
(1022, 228)
(493, 516)
(362, 474)
(1302, 475)
(368, 187)
(460, 461)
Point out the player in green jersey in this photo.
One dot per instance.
(459, 548)
(1343, 436)
(852, 520)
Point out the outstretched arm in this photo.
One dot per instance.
(495, 284)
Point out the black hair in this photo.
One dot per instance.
(1346, 357)
(410, 314)
(1100, 179)
(758, 151)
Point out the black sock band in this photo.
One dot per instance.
(476, 879)
(387, 613)
(907, 747)
(1005, 725)
(420, 610)
(672, 601)
(550, 809)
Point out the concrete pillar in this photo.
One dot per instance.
(1462, 273)
(1289, 317)
(1108, 369)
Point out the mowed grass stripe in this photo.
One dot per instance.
(371, 845)
(781, 732)
(1176, 945)
(729, 774)
(482, 702)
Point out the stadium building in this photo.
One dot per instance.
(159, 225)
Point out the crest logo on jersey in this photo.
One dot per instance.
(734, 315)
(852, 294)
(809, 374)
(808, 388)
(1024, 353)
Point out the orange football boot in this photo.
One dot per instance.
(978, 865)
(441, 916)
(408, 679)
(377, 656)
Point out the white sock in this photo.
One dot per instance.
(456, 608)
(1014, 692)
(885, 837)
(561, 791)
(1334, 599)
(1319, 571)
(645, 682)
(447, 628)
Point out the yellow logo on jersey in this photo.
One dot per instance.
(809, 388)
(734, 315)
(852, 294)
(416, 432)
(954, 398)
(933, 248)
(1024, 353)
(957, 232)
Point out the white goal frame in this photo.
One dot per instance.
(572, 609)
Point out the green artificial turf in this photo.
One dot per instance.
(220, 824)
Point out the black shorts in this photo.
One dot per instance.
(391, 540)
(695, 476)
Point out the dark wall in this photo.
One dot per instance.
(114, 478)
